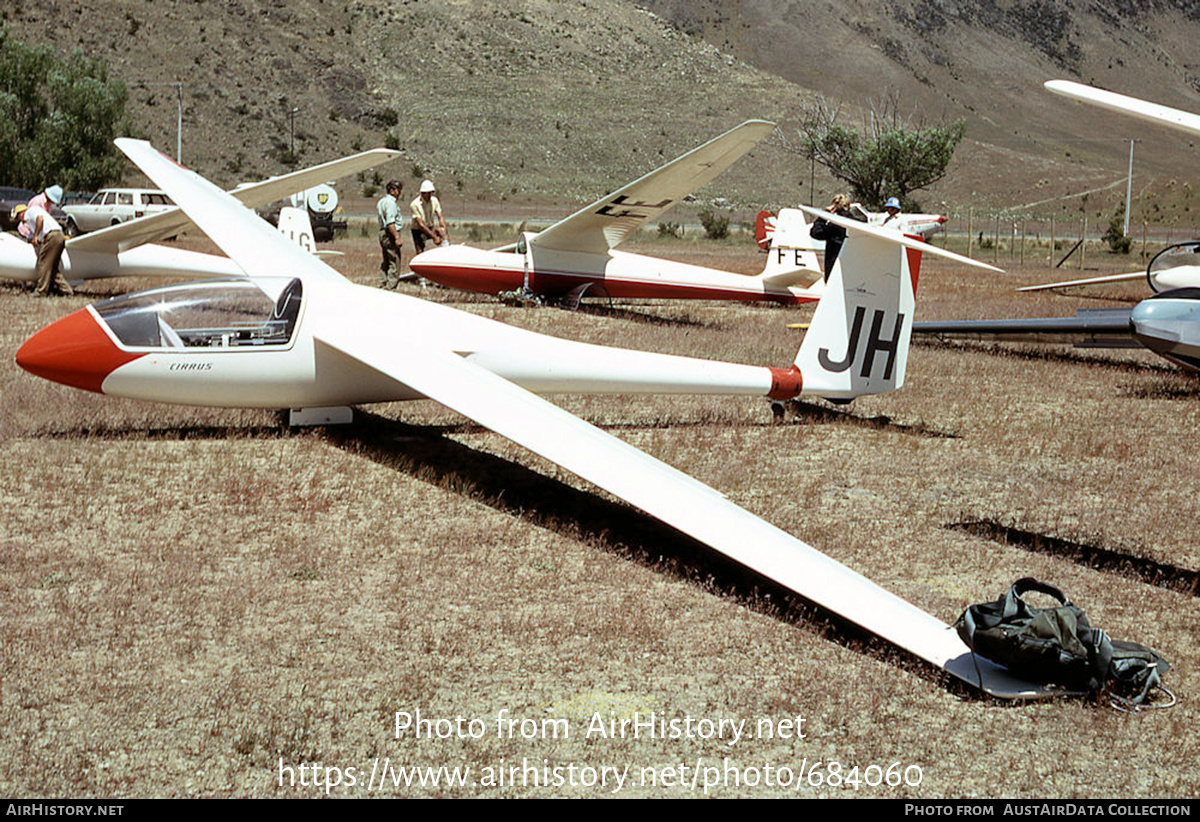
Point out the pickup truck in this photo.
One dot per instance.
(114, 205)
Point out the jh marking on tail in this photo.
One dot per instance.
(875, 344)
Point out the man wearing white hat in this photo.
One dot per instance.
(51, 196)
(428, 223)
(892, 207)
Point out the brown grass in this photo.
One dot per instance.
(191, 595)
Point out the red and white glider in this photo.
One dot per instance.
(295, 333)
(920, 225)
(576, 257)
(916, 225)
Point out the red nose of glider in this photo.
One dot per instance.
(74, 351)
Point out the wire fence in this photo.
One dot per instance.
(1059, 242)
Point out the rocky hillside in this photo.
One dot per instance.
(556, 101)
(985, 60)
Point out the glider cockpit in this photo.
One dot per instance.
(212, 314)
(1176, 266)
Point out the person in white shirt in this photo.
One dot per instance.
(428, 223)
(46, 236)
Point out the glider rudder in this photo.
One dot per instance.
(858, 340)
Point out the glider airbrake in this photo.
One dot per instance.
(295, 333)
(130, 249)
(576, 257)
(1167, 323)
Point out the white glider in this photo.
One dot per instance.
(130, 249)
(307, 337)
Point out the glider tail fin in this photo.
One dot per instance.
(858, 340)
(791, 252)
(294, 223)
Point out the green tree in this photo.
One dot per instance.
(886, 155)
(58, 118)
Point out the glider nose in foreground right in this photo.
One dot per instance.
(73, 351)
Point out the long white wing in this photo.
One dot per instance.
(1152, 112)
(855, 227)
(127, 235)
(672, 496)
(1111, 278)
(609, 220)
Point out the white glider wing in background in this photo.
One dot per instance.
(248, 240)
(1160, 280)
(1141, 109)
(605, 223)
(1167, 323)
(252, 195)
(1109, 278)
(341, 342)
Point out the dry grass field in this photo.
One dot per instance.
(201, 602)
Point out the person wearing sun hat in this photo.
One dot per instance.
(428, 223)
(892, 207)
(46, 236)
(52, 196)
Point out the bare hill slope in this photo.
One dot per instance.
(552, 101)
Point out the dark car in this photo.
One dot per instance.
(11, 196)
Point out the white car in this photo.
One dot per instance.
(111, 206)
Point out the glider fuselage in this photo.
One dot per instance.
(18, 261)
(621, 275)
(226, 343)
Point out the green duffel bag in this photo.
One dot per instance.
(1058, 645)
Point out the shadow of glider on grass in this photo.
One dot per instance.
(296, 334)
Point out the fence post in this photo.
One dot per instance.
(1050, 258)
(1082, 242)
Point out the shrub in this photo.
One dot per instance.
(716, 226)
(1118, 243)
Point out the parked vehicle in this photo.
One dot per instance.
(111, 206)
(11, 196)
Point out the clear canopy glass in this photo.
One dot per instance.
(211, 314)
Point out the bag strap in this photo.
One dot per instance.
(1014, 603)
